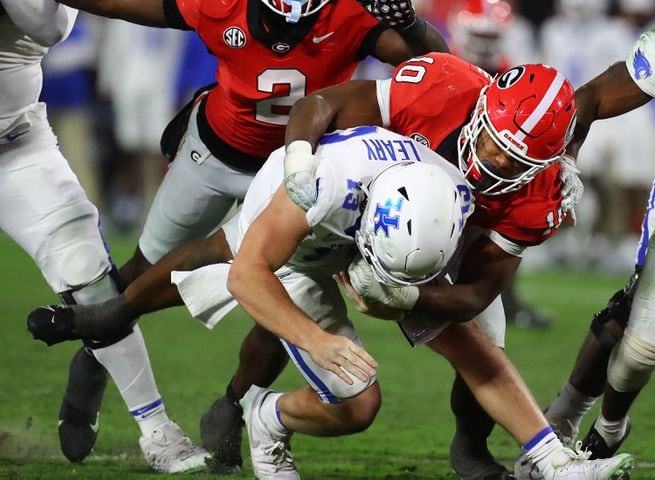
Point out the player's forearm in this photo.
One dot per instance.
(423, 37)
(45, 21)
(455, 303)
(263, 296)
(142, 12)
(346, 105)
(610, 94)
(310, 118)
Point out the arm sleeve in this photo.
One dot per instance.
(509, 246)
(641, 62)
(383, 89)
(44, 21)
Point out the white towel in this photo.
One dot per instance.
(204, 292)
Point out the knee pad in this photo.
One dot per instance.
(631, 364)
(617, 309)
(109, 285)
(73, 253)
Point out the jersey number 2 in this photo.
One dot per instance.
(286, 86)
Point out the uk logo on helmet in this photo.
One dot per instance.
(383, 218)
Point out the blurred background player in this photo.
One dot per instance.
(279, 51)
(143, 100)
(47, 212)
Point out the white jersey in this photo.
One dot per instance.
(641, 62)
(21, 78)
(349, 159)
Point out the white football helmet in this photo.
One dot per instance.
(293, 10)
(412, 222)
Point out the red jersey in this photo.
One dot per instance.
(430, 99)
(261, 75)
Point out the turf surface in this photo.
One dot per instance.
(409, 439)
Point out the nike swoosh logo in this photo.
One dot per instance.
(96, 425)
(322, 37)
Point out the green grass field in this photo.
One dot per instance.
(409, 439)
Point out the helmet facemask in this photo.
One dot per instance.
(294, 10)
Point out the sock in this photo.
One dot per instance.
(129, 366)
(546, 451)
(270, 415)
(231, 396)
(569, 407)
(611, 431)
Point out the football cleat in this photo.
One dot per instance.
(578, 466)
(597, 446)
(80, 408)
(52, 324)
(220, 432)
(270, 453)
(525, 469)
(168, 450)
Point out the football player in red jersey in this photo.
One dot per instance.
(530, 113)
(271, 53)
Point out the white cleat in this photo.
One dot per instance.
(578, 467)
(270, 453)
(168, 450)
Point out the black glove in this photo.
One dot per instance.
(397, 14)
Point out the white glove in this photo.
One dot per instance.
(300, 166)
(572, 189)
(364, 282)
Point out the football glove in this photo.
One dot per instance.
(365, 284)
(397, 14)
(300, 166)
(572, 188)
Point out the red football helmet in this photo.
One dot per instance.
(478, 28)
(529, 112)
(293, 10)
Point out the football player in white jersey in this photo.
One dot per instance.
(360, 200)
(617, 356)
(46, 211)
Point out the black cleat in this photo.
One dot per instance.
(80, 408)
(596, 444)
(220, 432)
(52, 324)
(477, 465)
(528, 317)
